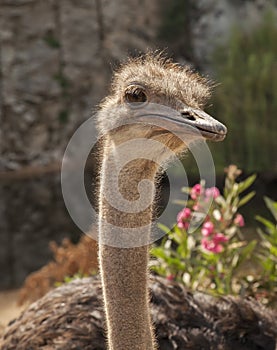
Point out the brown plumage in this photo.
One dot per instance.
(72, 317)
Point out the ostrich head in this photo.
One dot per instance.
(153, 98)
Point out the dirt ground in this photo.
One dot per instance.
(8, 307)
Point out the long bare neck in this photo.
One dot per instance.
(124, 271)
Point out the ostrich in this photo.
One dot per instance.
(72, 316)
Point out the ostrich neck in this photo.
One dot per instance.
(124, 271)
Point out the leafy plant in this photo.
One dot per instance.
(266, 285)
(246, 99)
(68, 279)
(210, 257)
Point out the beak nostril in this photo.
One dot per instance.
(188, 115)
(222, 129)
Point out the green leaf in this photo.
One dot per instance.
(272, 206)
(247, 250)
(243, 185)
(180, 202)
(176, 263)
(179, 236)
(265, 222)
(246, 199)
(273, 250)
(235, 260)
(159, 270)
(164, 228)
(159, 252)
(266, 264)
(183, 250)
(186, 189)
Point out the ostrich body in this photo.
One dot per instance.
(182, 320)
(72, 317)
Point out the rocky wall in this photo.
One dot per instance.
(56, 58)
(34, 214)
(55, 65)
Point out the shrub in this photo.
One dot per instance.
(209, 258)
(69, 261)
(216, 256)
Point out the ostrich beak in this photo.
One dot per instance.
(190, 121)
(209, 127)
(193, 121)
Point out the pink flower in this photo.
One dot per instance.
(182, 218)
(218, 248)
(239, 220)
(196, 207)
(207, 228)
(184, 214)
(220, 238)
(196, 191)
(211, 246)
(212, 192)
(170, 277)
(183, 225)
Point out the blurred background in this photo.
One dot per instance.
(56, 61)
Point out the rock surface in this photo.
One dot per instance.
(56, 60)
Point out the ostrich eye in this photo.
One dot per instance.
(136, 95)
